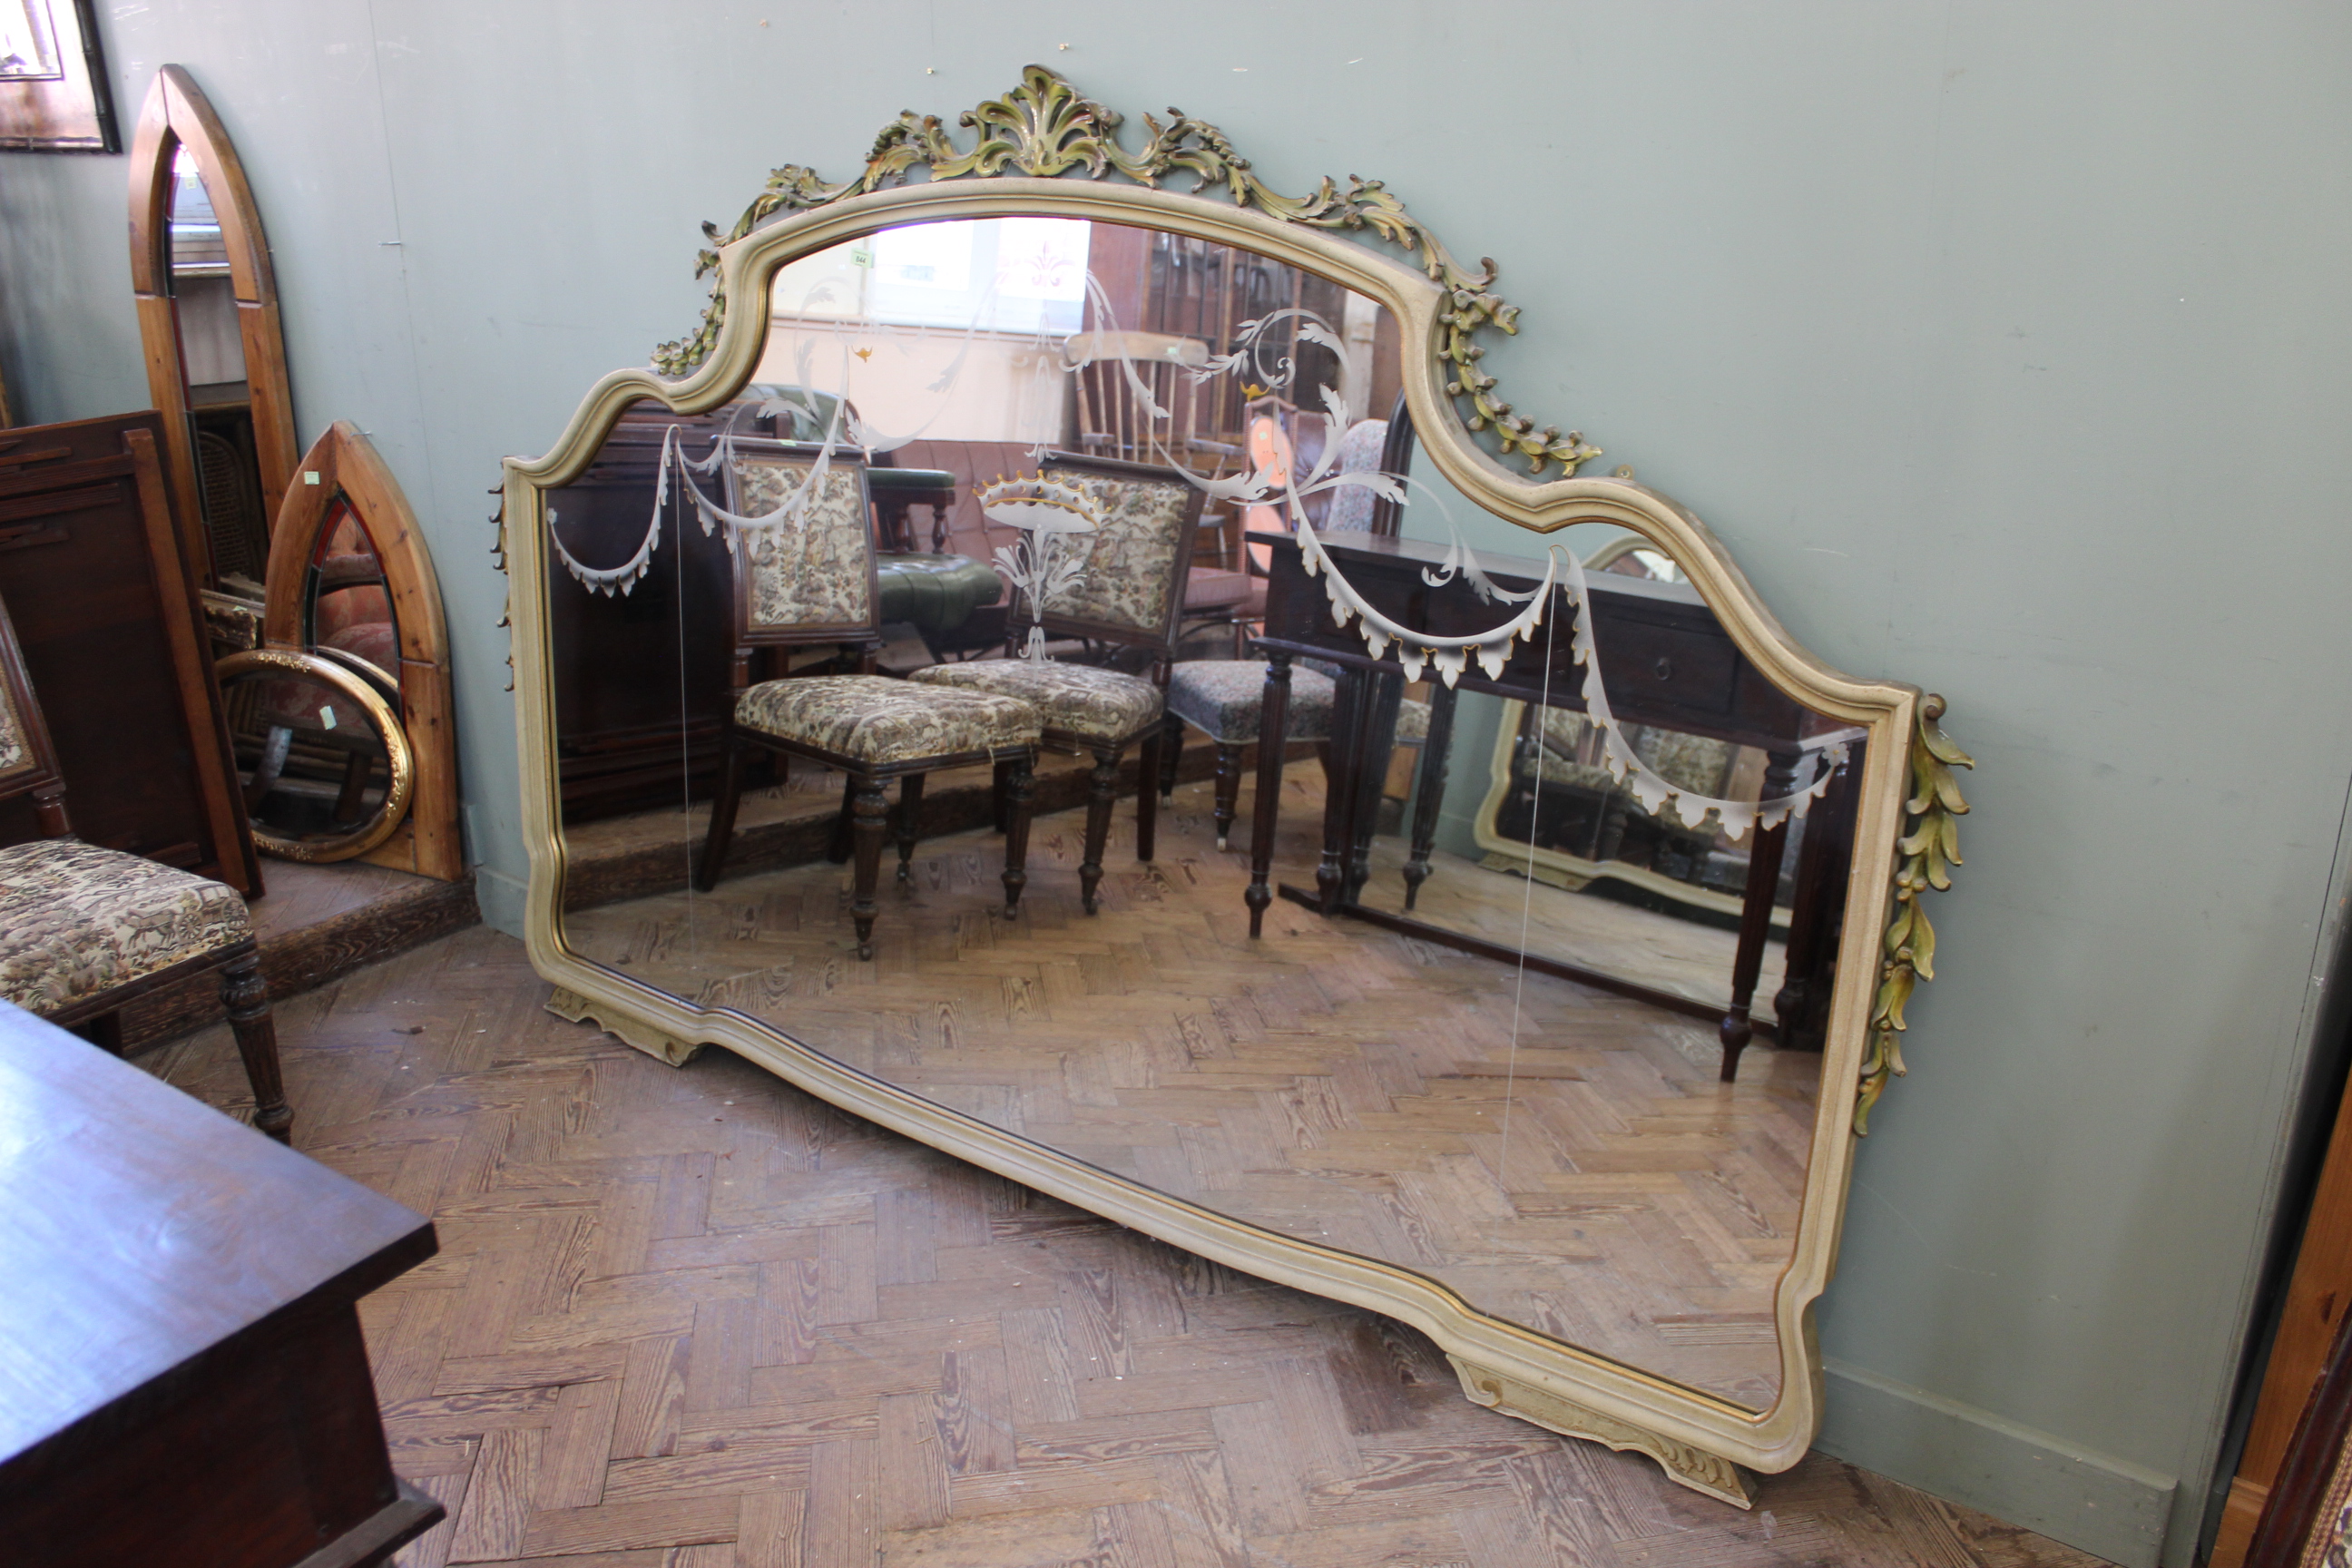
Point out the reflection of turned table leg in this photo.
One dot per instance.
(1756, 915)
(1348, 718)
(1429, 788)
(1375, 742)
(1273, 736)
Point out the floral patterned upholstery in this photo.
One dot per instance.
(1359, 453)
(818, 572)
(1222, 699)
(1101, 707)
(77, 920)
(15, 748)
(1131, 571)
(875, 721)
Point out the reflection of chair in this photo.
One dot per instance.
(814, 585)
(1129, 595)
(85, 931)
(1216, 697)
(1111, 422)
(1222, 699)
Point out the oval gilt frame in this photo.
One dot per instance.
(1041, 130)
(400, 765)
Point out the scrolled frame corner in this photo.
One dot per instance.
(1929, 850)
(1045, 128)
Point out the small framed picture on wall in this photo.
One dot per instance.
(53, 89)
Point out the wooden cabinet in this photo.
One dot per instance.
(181, 1374)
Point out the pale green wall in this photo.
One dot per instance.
(2005, 344)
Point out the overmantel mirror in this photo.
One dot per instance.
(1091, 675)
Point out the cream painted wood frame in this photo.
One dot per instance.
(1701, 1440)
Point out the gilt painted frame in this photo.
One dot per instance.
(1029, 142)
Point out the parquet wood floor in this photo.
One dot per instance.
(696, 1319)
(1658, 950)
(1334, 1080)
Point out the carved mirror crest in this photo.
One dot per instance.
(1507, 928)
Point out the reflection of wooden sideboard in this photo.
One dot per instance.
(640, 678)
(182, 1378)
(1668, 662)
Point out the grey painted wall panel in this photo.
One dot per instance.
(2005, 344)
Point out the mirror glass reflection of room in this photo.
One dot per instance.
(1538, 1003)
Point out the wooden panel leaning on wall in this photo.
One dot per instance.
(2316, 1298)
(105, 605)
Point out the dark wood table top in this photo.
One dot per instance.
(139, 1228)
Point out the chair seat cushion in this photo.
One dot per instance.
(1222, 699)
(874, 720)
(1102, 707)
(77, 920)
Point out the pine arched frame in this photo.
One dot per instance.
(177, 114)
(343, 466)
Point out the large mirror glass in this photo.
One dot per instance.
(1508, 966)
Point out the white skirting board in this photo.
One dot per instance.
(2094, 1501)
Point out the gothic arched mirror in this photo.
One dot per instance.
(351, 582)
(1472, 904)
(208, 320)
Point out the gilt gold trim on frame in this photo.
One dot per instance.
(400, 763)
(1028, 143)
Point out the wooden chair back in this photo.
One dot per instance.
(808, 582)
(1133, 590)
(1113, 423)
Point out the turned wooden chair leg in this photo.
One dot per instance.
(1000, 799)
(1147, 796)
(722, 815)
(1229, 789)
(870, 816)
(1102, 794)
(245, 994)
(839, 850)
(1172, 754)
(1021, 792)
(910, 805)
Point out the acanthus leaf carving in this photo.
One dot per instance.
(1930, 851)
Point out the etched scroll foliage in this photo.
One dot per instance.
(1044, 128)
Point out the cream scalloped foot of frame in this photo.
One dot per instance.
(652, 1041)
(1701, 1471)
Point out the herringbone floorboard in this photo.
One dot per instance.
(1559, 1156)
(696, 1319)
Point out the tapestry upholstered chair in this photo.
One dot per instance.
(85, 931)
(809, 581)
(1129, 594)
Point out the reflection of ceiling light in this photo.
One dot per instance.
(1039, 505)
